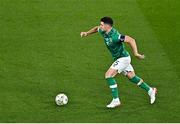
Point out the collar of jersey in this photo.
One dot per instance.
(110, 32)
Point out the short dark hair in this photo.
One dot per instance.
(107, 20)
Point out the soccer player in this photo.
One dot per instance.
(122, 60)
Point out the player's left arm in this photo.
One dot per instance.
(132, 42)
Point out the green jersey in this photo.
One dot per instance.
(114, 42)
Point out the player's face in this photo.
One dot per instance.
(104, 27)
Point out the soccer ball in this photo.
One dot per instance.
(61, 99)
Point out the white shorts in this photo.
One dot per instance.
(123, 65)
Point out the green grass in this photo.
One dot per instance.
(42, 54)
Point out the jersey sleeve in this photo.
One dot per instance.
(100, 31)
(119, 38)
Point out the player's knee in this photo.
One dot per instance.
(141, 80)
(130, 74)
(108, 75)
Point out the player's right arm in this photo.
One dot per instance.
(91, 31)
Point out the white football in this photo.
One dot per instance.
(61, 99)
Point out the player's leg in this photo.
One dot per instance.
(109, 76)
(139, 82)
(117, 67)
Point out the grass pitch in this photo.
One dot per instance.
(42, 54)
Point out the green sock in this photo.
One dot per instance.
(143, 85)
(112, 84)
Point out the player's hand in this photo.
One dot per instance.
(83, 34)
(139, 56)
